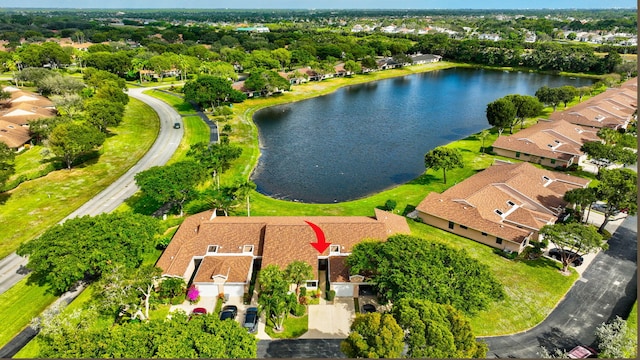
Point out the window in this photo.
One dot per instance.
(498, 240)
(247, 249)
(517, 154)
(498, 212)
(545, 178)
(451, 224)
(312, 284)
(463, 227)
(212, 249)
(511, 203)
(334, 249)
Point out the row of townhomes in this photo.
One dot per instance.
(16, 113)
(503, 206)
(556, 142)
(219, 253)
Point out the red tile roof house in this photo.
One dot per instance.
(503, 206)
(549, 143)
(18, 111)
(218, 254)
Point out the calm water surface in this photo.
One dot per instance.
(366, 138)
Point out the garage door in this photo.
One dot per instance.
(343, 290)
(209, 290)
(234, 290)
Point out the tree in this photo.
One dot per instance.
(85, 247)
(111, 91)
(76, 335)
(577, 238)
(352, 67)
(603, 154)
(483, 135)
(104, 113)
(220, 69)
(69, 141)
(369, 62)
(266, 81)
(567, 94)
(244, 189)
(211, 91)
(551, 96)
(526, 107)
(70, 104)
(215, 158)
(59, 85)
(618, 188)
(7, 165)
(583, 198)
(124, 290)
(298, 272)
(436, 330)
(501, 114)
(283, 56)
(410, 267)
(173, 183)
(443, 158)
(582, 91)
(272, 296)
(613, 340)
(373, 335)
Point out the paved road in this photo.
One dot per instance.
(607, 288)
(12, 267)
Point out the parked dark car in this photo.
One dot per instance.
(368, 308)
(251, 320)
(557, 254)
(176, 125)
(229, 312)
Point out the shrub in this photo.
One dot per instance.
(299, 310)
(169, 288)
(303, 291)
(163, 242)
(390, 205)
(178, 299)
(193, 294)
(330, 295)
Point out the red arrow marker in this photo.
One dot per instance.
(322, 243)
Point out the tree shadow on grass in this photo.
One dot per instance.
(424, 179)
(4, 197)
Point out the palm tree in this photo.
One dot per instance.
(483, 136)
(297, 272)
(244, 189)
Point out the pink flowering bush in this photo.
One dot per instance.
(193, 294)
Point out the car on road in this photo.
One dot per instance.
(229, 312)
(557, 253)
(251, 320)
(176, 125)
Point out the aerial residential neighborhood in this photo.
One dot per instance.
(314, 182)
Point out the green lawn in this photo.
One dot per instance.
(36, 205)
(293, 327)
(19, 305)
(533, 288)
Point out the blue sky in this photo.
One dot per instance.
(324, 4)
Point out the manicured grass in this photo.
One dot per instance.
(293, 327)
(181, 107)
(19, 305)
(31, 164)
(632, 325)
(533, 288)
(195, 131)
(36, 205)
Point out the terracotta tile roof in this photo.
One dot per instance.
(338, 269)
(512, 189)
(236, 269)
(18, 97)
(278, 239)
(566, 139)
(611, 108)
(13, 135)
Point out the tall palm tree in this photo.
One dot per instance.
(244, 190)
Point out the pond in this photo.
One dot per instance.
(366, 138)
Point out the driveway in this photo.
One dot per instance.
(608, 287)
(330, 321)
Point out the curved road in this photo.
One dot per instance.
(607, 288)
(12, 267)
